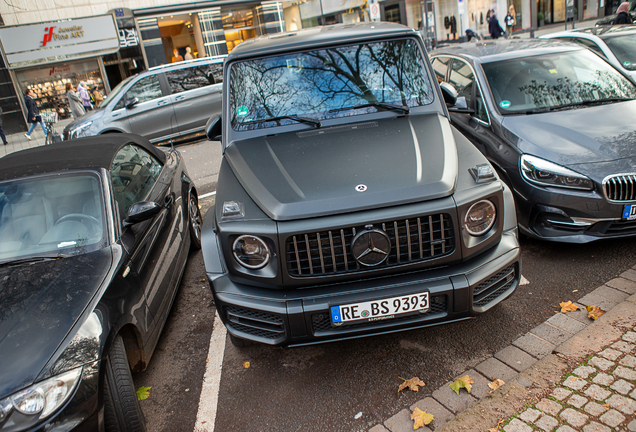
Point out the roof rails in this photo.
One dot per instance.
(185, 62)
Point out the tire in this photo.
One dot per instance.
(238, 342)
(195, 221)
(122, 412)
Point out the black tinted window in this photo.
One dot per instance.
(195, 77)
(133, 173)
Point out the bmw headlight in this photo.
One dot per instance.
(42, 399)
(81, 130)
(480, 217)
(543, 172)
(251, 252)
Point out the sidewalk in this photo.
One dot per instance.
(18, 141)
(568, 374)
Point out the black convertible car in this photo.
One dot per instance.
(95, 237)
(557, 122)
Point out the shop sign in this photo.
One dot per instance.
(128, 38)
(34, 44)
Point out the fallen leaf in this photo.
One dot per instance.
(246, 365)
(421, 418)
(142, 393)
(496, 384)
(496, 428)
(594, 312)
(575, 290)
(414, 384)
(568, 306)
(207, 360)
(201, 280)
(462, 382)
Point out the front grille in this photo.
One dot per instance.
(620, 187)
(621, 228)
(322, 323)
(494, 286)
(329, 252)
(256, 323)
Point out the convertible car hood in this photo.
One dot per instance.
(349, 168)
(594, 134)
(39, 305)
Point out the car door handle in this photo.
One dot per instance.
(179, 98)
(168, 201)
(162, 102)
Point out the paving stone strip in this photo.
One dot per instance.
(568, 374)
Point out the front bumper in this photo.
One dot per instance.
(302, 316)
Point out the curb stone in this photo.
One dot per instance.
(566, 350)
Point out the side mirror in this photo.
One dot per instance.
(132, 102)
(214, 128)
(141, 211)
(449, 93)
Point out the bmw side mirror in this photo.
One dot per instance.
(132, 102)
(213, 128)
(140, 212)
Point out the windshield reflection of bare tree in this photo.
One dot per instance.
(565, 91)
(319, 81)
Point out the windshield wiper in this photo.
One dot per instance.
(316, 123)
(578, 104)
(386, 106)
(33, 259)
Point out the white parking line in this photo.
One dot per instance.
(207, 195)
(206, 415)
(524, 281)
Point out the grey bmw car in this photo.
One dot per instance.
(347, 205)
(557, 122)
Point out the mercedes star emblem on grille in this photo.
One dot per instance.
(371, 247)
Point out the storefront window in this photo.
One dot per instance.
(49, 84)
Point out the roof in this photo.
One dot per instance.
(91, 152)
(603, 32)
(318, 36)
(506, 49)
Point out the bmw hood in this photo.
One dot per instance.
(40, 304)
(577, 136)
(354, 167)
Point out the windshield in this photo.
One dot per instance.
(553, 80)
(624, 48)
(113, 94)
(318, 84)
(50, 215)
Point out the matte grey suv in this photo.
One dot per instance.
(162, 103)
(347, 204)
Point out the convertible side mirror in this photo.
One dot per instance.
(132, 102)
(214, 128)
(141, 211)
(449, 93)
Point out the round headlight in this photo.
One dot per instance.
(480, 217)
(251, 252)
(29, 402)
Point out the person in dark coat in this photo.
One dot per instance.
(493, 26)
(622, 16)
(33, 114)
(4, 138)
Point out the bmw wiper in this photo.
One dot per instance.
(33, 259)
(386, 106)
(316, 123)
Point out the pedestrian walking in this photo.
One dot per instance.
(74, 102)
(33, 114)
(622, 16)
(494, 28)
(188, 54)
(97, 97)
(510, 20)
(86, 98)
(4, 138)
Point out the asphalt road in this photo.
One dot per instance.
(324, 387)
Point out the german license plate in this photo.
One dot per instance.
(377, 310)
(629, 212)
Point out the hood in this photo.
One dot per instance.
(594, 134)
(40, 303)
(348, 168)
(92, 115)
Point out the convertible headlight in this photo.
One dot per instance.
(80, 131)
(540, 171)
(251, 252)
(43, 398)
(480, 217)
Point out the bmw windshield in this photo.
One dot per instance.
(554, 81)
(322, 84)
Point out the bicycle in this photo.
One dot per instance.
(49, 119)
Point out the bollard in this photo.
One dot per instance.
(531, 32)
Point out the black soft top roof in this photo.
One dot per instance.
(315, 37)
(91, 152)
